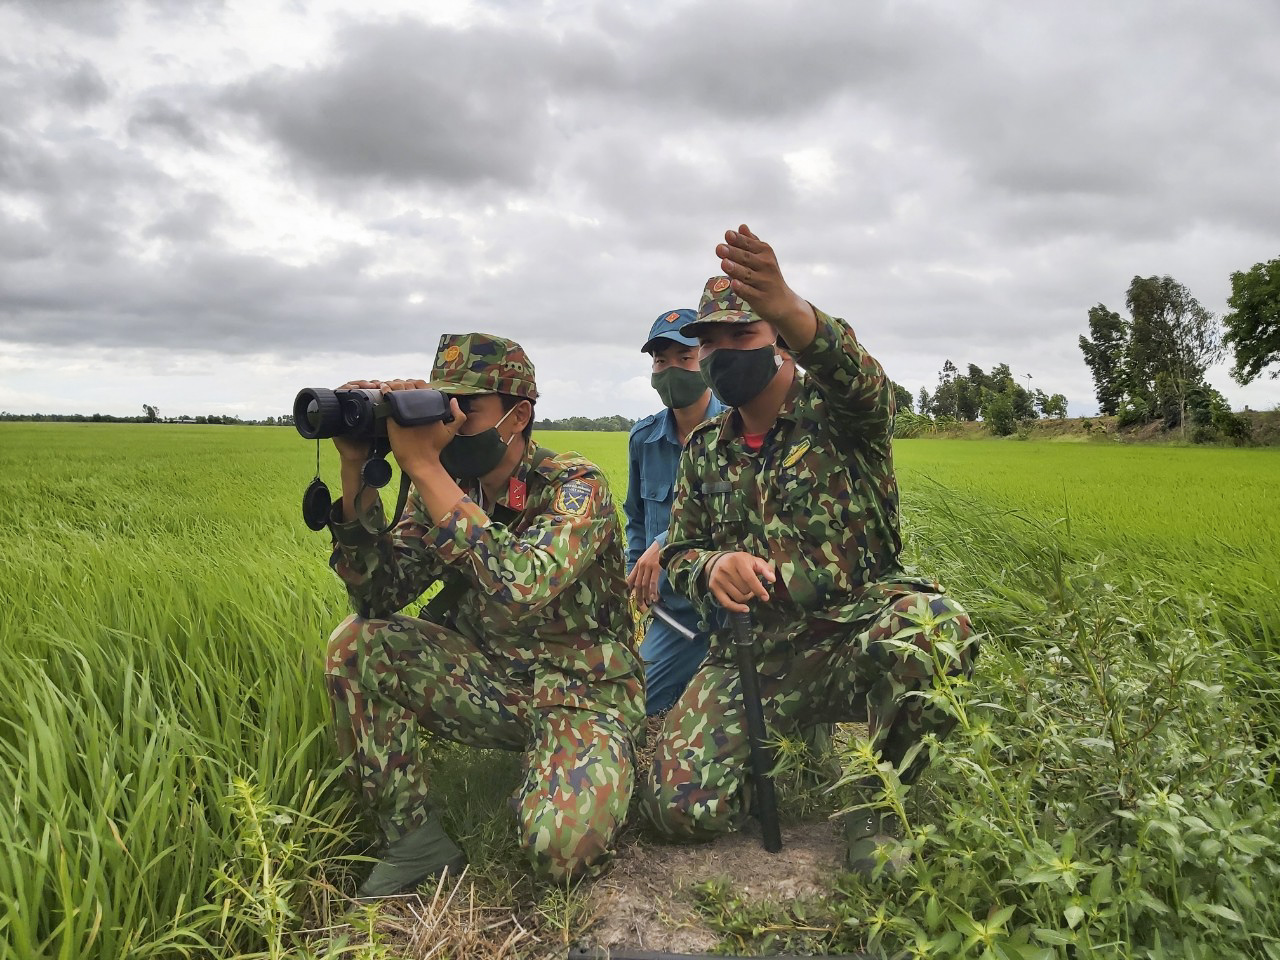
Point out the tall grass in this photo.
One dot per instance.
(1186, 521)
(168, 778)
(161, 629)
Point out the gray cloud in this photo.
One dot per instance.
(765, 61)
(958, 181)
(103, 18)
(412, 103)
(97, 17)
(193, 219)
(158, 115)
(83, 86)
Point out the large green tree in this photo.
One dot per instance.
(1051, 406)
(945, 398)
(1172, 342)
(901, 396)
(1105, 353)
(1253, 325)
(969, 387)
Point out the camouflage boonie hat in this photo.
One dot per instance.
(719, 304)
(471, 363)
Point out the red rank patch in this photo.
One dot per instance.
(515, 493)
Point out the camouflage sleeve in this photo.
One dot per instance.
(520, 573)
(689, 545)
(387, 573)
(858, 393)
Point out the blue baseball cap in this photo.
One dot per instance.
(667, 327)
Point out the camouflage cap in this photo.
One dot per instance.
(719, 304)
(471, 363)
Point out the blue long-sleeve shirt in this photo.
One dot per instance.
(653, 452)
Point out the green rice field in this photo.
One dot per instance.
(168, 785)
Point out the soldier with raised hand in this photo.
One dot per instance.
(527, 646)
(787, 506)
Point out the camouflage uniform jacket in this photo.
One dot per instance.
(820, 499)
(544, 582)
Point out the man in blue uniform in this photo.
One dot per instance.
(674, 646)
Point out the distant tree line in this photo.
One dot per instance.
(996, 398)
(149, 415)
(615, 422)
(1150, 366)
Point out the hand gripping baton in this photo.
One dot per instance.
(761, 755)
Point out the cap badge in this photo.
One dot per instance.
(720, 285)
(671, 317)
(452, 354)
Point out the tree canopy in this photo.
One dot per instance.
(1253, 325)
(1104, 353)
(998, 397)
(1148, 365)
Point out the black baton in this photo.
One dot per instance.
(761, 755)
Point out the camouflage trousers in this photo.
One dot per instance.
(871, 671)
(390, 681)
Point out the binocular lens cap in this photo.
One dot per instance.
(376, 472)
(316, 504)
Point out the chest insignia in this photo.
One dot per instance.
(515, 494)
(796, 452)
(573, 499)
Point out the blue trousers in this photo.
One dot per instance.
(670, 661)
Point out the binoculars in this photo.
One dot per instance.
(359, 413)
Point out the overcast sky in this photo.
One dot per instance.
(206, 205)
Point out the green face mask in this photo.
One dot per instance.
(679, 387)
(471, 457)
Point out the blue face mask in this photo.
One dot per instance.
(738, 376)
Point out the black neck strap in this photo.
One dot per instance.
(402, 497)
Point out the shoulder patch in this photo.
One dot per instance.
(573, 499)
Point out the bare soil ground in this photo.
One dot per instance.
(646, 900)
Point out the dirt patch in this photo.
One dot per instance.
(646, 901)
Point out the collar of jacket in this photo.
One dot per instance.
(731, 429)
(520, 475)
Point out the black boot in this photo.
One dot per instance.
(422, 853)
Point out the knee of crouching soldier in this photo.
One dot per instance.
(676, 813)
(344, 643)
(564, 851)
